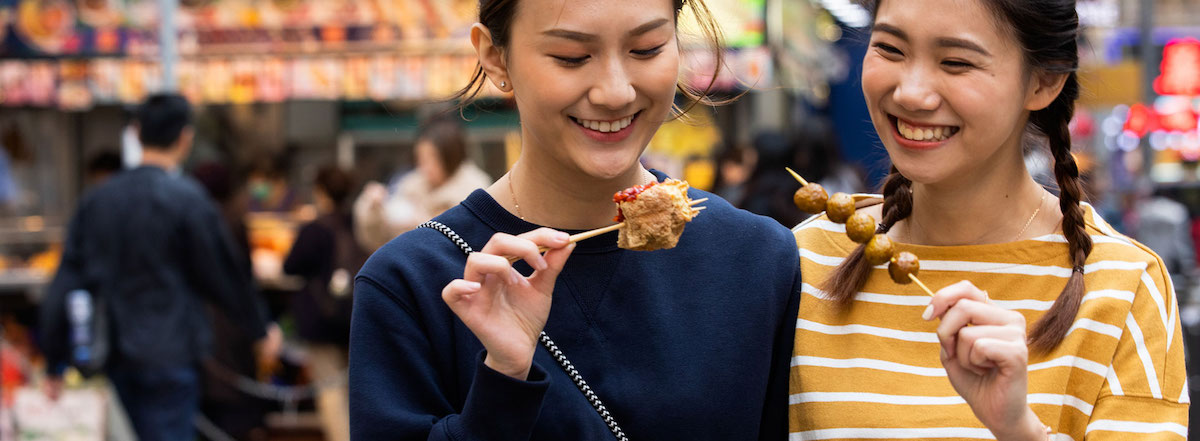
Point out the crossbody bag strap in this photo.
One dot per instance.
(558, 355)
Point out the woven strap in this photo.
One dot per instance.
(547, 343)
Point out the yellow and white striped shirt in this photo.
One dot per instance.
(871, 371)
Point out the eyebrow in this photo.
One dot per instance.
(585, 37)
(941, 42)
(962, 44)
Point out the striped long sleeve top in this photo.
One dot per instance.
(871, 371)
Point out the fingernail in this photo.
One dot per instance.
(943, 351)
(562, 237)
(540, 263)
(472, 286)
(928, 314)
(514, 277)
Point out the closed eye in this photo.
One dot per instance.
(571, 61)
(649, 52)
(888, 49)
(957, 64)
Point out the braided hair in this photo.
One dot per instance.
(1047, 31)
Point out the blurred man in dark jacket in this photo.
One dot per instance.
(151, 249)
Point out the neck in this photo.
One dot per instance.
(164, 159)
(999, 205)
(554, 197)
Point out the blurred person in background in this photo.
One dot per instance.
(234, 412)
(150, 247)
(819, 157)
(769, 190)
(443, 177)
(101, 166)
(327, 256)
(734, 165)
(12, 151)
(1163, 224)
(268, 184)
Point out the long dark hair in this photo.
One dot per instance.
(497, 16)
(1047, 31)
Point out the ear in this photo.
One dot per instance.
(1044, 88)
(186, 136)
(491, 57)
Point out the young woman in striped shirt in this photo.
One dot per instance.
(1048, 324)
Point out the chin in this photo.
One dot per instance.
(607, 167)
(922, 174)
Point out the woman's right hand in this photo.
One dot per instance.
(505, 310)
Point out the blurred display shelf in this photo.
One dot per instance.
(31, 230)
(46, 235)
(20, 280)
(402, 47)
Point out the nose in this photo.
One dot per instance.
(613, 89)
(915, 92)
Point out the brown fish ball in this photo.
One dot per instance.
(840, 207)
(879, 250)
(811, 198)
(860, 227)
(902, 265)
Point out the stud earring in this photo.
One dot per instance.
(503, 84)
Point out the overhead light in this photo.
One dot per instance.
(847, 12)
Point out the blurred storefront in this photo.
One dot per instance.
(309, 82)
(282, 87)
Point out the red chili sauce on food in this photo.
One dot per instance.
(626, 195)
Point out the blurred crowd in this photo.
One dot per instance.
(194, 333)
(197, 335)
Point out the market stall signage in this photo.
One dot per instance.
(1180, 68)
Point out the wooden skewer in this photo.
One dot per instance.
(593, 233)
(922, 285)
(797, 176)
(578, 237)
(698, 201)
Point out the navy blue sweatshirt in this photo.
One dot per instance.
(688, 343)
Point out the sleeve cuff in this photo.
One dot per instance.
(502, 407)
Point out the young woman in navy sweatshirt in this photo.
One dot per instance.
(692, 342)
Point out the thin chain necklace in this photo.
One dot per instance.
(513, 193)
(1035, 213)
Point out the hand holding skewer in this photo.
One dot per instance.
(614, 227)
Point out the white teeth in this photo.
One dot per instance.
(923, 133)
(607, 126)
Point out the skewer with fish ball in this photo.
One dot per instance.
(810, 198)
(903, 266)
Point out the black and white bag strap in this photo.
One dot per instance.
(547, 343)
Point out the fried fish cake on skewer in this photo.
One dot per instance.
(654, 215)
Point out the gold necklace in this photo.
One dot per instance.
(1035, 213)
(513, 194)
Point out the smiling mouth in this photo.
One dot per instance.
(922, 133)
(612, 126)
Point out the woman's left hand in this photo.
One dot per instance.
(985, 356)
